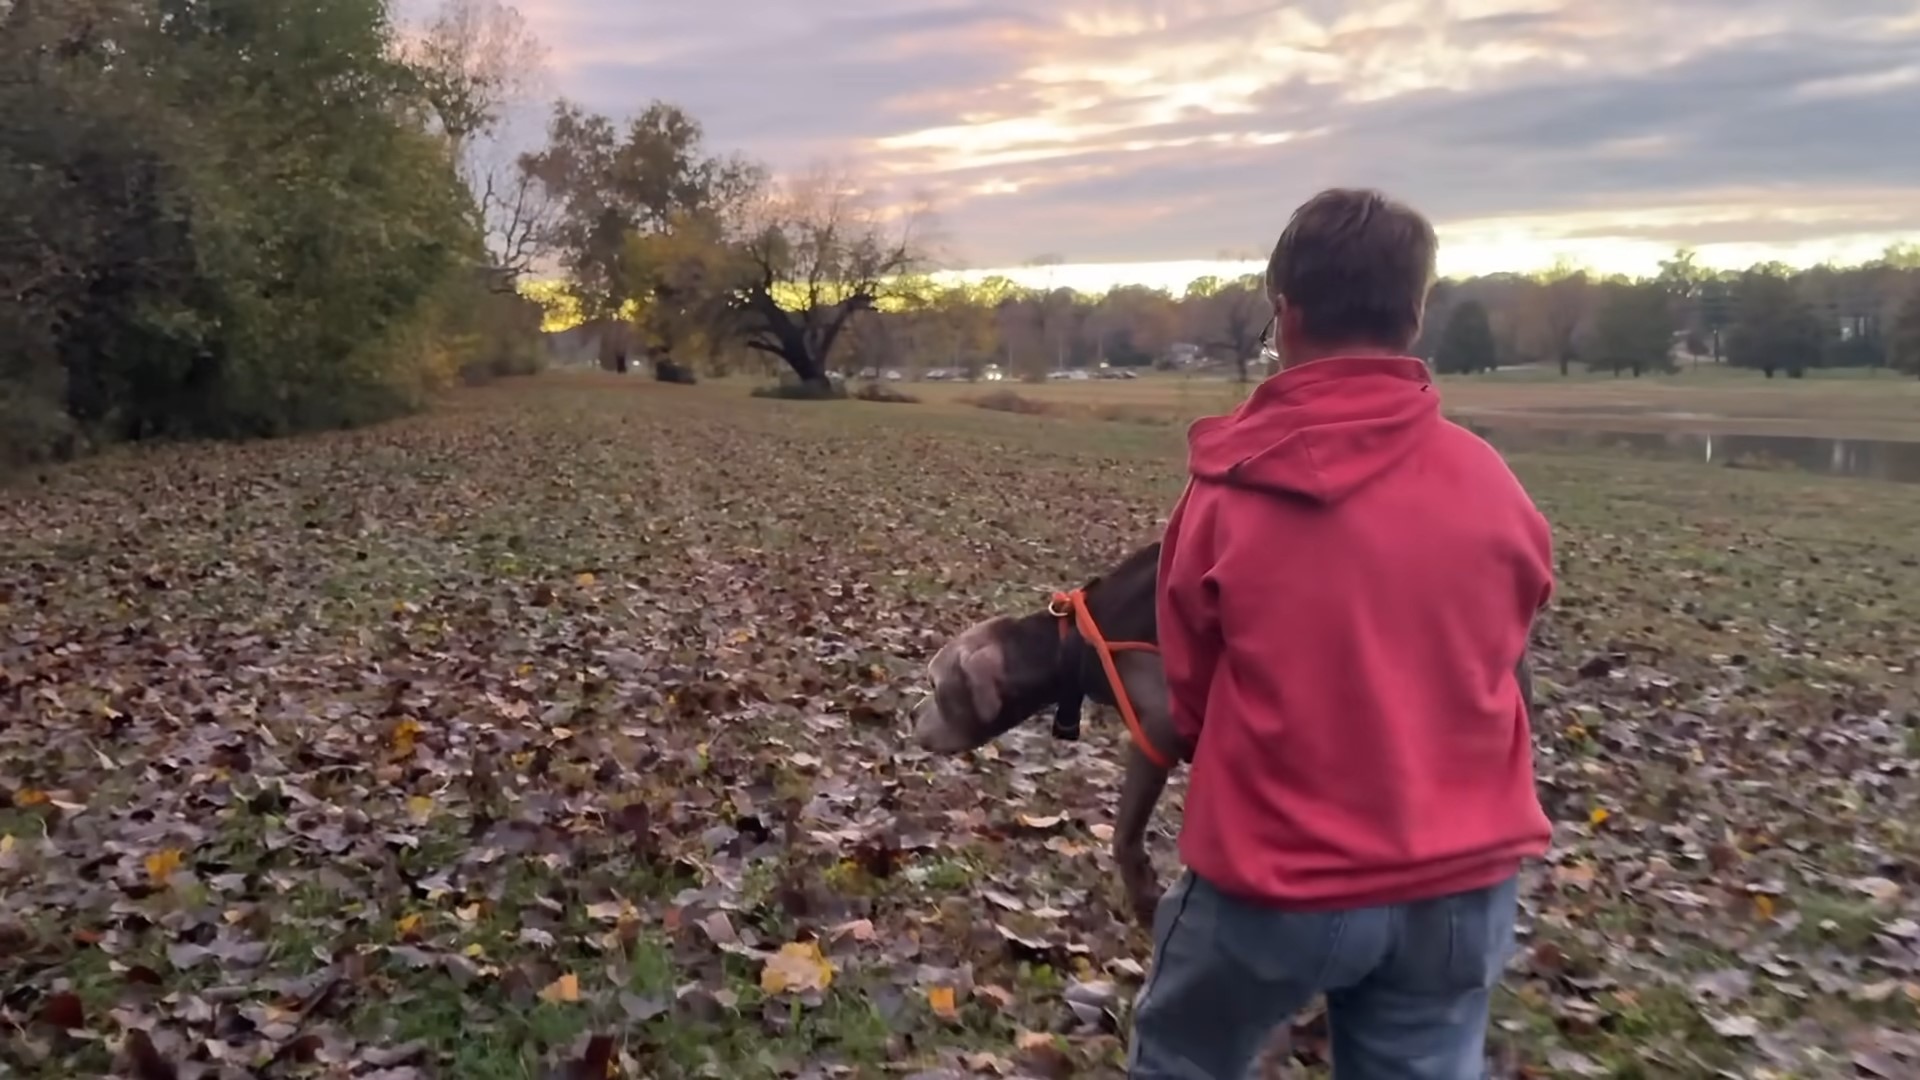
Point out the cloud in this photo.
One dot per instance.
(1142, 130)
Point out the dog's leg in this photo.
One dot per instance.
(1146, 685)
(1139, 794)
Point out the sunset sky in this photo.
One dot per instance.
(1168, 136)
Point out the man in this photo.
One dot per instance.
(1347, 587)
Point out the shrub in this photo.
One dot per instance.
(794, 390)
(1011, 402)
(885, 395)
(34, 430)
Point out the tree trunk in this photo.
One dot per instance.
(805, 368)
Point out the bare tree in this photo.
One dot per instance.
(1229, 316)
(476, 61)
(816, 252)
(475, 58)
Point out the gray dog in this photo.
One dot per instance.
(997, 674)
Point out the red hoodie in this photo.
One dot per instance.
(1346, 588)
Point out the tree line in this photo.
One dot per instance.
(234, 218)
(1769, 318)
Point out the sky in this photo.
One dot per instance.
(1154, 140)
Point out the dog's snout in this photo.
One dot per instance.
(934, 733)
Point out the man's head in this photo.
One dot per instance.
(1350, 276)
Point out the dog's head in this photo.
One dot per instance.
(987, 681)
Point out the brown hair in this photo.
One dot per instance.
(1357, 265)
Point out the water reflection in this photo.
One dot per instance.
(1873, 459)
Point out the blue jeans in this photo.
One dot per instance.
(1407, 986)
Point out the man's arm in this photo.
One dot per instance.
(1187, 619)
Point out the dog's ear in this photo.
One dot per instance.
(984, 669)
(969, 692)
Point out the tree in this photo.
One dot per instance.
(1131, 326)
(1716, 313)
(474, 60)
(1058, 313)
(1568, 301)
(233, 218)
(1905, 346)
(961, 327)
(682, 279)
(1633, 329)
(816, 252)
(1229, 317)
(611, 183)
(1467, 345)
(1680, 278)
(1774, 327)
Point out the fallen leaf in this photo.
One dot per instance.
(163, 864)
(28, 797)
(403, 736)
(1573, 875)
(609, 910)
(1033, 1040)
(941, 999)
(563, 989)
(858, 930)
(64, 1011)
(1599, 816)
(145, 1058)
(1001, 997)
(984, 1062)
(1879, 889)
(1570, 1061)
(798, 967)
(1734, 1027)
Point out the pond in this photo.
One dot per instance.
(1872, 459)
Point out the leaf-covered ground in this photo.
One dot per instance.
(561, 733)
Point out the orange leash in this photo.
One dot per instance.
(1073, 605)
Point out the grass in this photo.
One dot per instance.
(1707, 398)
(557, 714)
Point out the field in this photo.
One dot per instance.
(560, 732)
(1706, 398)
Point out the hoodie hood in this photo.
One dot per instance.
(1321, 430)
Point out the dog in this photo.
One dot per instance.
(997, 674)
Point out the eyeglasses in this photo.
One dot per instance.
(1269, 355)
